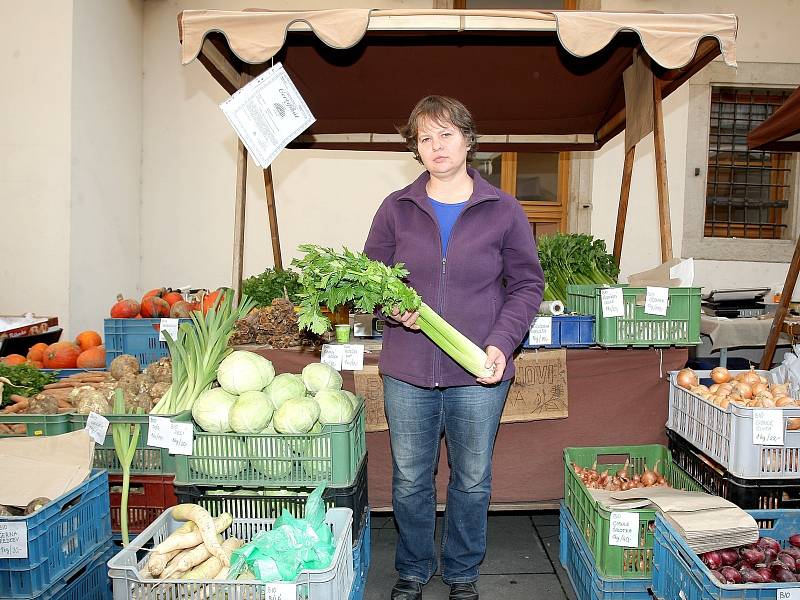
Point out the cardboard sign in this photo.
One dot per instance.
(623, 529)
(369, 386)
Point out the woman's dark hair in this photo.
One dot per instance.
(444, 110)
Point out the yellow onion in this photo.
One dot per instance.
(686, 378)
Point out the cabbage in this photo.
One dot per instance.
(353, 399)
(296, 415)
(251, 413)
(211, 410)
(221, 452)
(283, 387)
(319, 376)
(334, 407)
(278, 466)
(243, 371)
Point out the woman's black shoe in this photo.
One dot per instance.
(463, 591)
(405, 589)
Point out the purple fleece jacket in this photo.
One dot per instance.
(491, 243)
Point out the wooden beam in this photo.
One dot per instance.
(783, 308)
(618, 120)
(238, 223)
(665, 225)
(273, 219)
(220, 68)
(624, 194)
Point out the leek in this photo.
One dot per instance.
(126, 439)
(335, 278)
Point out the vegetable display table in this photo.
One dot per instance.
(616, 397)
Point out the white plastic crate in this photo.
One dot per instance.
(726, 435)
(333, 583)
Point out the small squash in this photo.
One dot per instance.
(156, 293)
(92, 358)
(13, 359)
(61, 355)
(210, 299)
(180, 310)
(125, 308)
(88, 339)
(172, 297)
(36, 352)
(154, 307)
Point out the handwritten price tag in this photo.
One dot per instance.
(13, 540)
(768, 427)
(788, 594)
(97, 426)
(624, 529)
(332, 355)
(159, 434)
(541, 332)
(611, 299)
(353, 358)
(181, 438)
(280, 591)
(656, 301)
(171, 327)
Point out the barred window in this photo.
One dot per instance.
(748, 191)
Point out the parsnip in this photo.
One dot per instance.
(158, 560)
(206, 525)
(188, 559)
(213, 566)
(189, 540)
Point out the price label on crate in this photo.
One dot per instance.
(768, 426)
(170, 326)
(280, 591)
(159, 433)
(623, 529)
(181, 438)
(541, 332)
(656, 301)
(97, 426)
(13, 540)
(353, 357)
(332, 355)
(788, 594)
(611, 299)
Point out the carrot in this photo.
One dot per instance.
(6, 429)
(17, 398)
(60, 385)
(19, 428)
(206, 525)
(15, 408)
(188, 559)
(213, 566)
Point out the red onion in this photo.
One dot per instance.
(787, 560)
(768, 542)
(718, 576)
(793, 552)
(729, 556)
(751, 576)
(731, 575)
(712, 560)
(782, 574)
(769, 555)
(794, 540)
(751, 555)
(764, 571)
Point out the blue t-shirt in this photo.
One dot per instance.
(446, 214)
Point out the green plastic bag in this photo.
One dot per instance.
(291, 546)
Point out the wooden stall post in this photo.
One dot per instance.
(238, 222)
(783, 308)
(273, 219)
(624, 194)
(661, 174)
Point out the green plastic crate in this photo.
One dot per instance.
(679, 327)
(147, 460)
(593, 519)
(275, 460)
(39, 424)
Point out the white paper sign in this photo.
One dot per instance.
(353, 358)
(181, 438)
(788, 594)
(624, 529)
(280, 591)
(171, 327)
(768, 426)
(541, 331)
(97, 426)
(267, 114)
(656, 301)
(332, 355)
(611, 299)
(159, 434)
(13, 539)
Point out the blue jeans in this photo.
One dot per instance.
(469, 417)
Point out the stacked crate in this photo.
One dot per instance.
(66, 545)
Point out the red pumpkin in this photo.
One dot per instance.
(93, 358)
(36, 352)
(13, 359)
(172, 297)
(88, 339)
(180, 310)
(154, 307)
(210, 299)
(36, 363)
(61, 355)
(125, 309)
(156, 293)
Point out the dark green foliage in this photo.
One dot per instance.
(574, 258)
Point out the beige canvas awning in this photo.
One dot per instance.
(549, 79)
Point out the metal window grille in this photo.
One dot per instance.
(748, 190)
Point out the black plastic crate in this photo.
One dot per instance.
(268, 503)
(763, 494)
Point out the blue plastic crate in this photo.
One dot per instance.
(361, 559)
(138, 337)
(89, 581)
(569, 331)
(61, 535)
(679, 573)
(577, 560)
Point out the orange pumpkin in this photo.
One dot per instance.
(180, 309)
(124, 309)
(61, 355)
(14, 359)
(36, 352)
(172, 297)
(210, 299)
(93, 358)
(156, 293)
(36, 363)
(88, 339)
(154, 307)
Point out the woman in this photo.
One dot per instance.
(472, 257)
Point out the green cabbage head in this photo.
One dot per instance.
(218, 457)
(211, 410)
(251, 412)
(319, 376)
(296, 415)
(243, 371)
(283, 387)
(334, 407)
